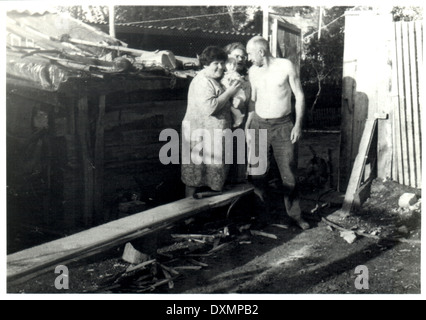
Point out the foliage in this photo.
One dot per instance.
(407, 13)
(323, 56)
(236, 18)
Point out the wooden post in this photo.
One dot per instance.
(112, 21)
(86, 163)
(99, 160)
(265, 29)
(274, 39)
(320, 22)
(71, 205)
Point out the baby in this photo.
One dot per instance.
(240, 97)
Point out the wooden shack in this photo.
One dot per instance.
(381, 132)
(82, 134)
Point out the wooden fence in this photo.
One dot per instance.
(407, 79)
(324, 118)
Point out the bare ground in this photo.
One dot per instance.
(315, 261)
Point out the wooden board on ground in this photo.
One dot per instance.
(352, 192)
(34, 261)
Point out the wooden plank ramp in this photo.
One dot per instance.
(26, 264)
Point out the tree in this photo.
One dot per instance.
(236, 18)
(322, 62)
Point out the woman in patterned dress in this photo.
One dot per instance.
(208, 110)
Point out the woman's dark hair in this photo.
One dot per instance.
(232, 46)
(212, 53)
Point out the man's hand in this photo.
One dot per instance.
(296, 134)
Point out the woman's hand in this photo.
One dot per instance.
(233, 88)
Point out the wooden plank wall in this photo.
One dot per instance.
(407, 61)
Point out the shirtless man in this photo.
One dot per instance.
(273, 80)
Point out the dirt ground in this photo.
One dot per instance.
(236, 258)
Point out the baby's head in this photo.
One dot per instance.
(231, 64)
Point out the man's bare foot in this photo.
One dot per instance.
(302, 224)
(259, 193)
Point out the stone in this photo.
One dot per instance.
(403, 230)
(349, 236)
(407, 200)
(133, 256)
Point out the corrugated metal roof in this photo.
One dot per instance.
(182, 29)
(30, 9)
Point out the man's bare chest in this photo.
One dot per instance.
(270, 80)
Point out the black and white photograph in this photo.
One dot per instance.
(257, 150)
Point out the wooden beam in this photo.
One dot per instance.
(31, 262)
(358, 169)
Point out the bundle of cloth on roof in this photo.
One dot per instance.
(56, 57)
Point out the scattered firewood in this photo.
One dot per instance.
(140, 266)
(198, 255)
(216, 242)
(144, 277)
(197, 236)
(219, 247)
(366, 235)
(281, 226)
(244, 227)
(198, 240)
(167, 255)
(188, 268)
(168, 269)
(168, 276)
(263, 234)
(198, 263)
(154, 286)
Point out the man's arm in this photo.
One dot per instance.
(296, 87)
(252, 101)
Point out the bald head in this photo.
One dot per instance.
(258, 43)
(258, 50)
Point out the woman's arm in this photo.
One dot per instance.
(208, 99)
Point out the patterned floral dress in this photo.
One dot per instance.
(202, 119)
